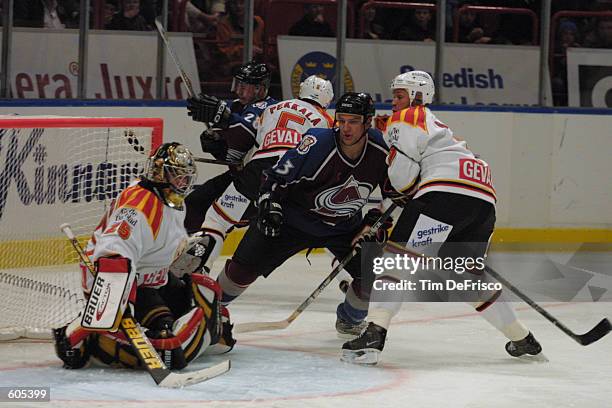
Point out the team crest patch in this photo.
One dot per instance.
(343, 200)
(306, 143)
(321, 64)
(124, 231)
(261, 105)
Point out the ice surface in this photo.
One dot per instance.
(437, 355)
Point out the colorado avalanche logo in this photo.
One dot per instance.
(344, 200)
(306, 144)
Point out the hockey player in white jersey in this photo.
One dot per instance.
(450, 201)
(279, 128)
(135, 243)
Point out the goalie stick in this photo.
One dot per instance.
(282, 324)
(142, 346)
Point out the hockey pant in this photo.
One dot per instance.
(446, 226)
(258, 255)
(201, 198)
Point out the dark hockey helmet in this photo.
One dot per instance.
(356, 103)
(252, 73)
(172, 171)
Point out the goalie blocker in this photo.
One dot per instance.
(106, 304)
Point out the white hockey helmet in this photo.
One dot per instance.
(413, 82)
(318, 90)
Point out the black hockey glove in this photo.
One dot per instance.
(269, 216)
(209, 109)
(401, 199)
(214, 144)
(381, 235)
(73, 357)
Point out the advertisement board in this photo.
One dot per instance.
(472, 74)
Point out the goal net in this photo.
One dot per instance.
(56, 170)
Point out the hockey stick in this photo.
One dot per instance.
(215, 161)
(600, 330)
(164, 36)
(138, 148)
(145, 351)
(282, 324)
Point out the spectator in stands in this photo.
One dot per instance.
(374, 29)
(230, 34)
(110, 8)
(601, 37)
(129, 17)
(151, 9)
(419, 28)
(46, 13)
(470, 29)
(202, 17)
(567, 37)
(313, 23)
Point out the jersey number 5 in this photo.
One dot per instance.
(287, 117)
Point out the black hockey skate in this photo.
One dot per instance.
(348, 330)
(366, 348)
(528, 347)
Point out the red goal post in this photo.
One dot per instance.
(53, 170)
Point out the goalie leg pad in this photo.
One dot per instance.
(226, 341)
(206, 293)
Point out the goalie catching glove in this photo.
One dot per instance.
(194, 259)
(209, 109)
(269, 216)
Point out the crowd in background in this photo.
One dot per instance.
(218, 26)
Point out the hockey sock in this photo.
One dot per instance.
(234, 279)
(216, 243)
(384, 304)
(353, 309)
(349, 314)
(501, 316)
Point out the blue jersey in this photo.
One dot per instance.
(321, 191)
(241, 134)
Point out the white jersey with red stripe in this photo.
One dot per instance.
(138, 226)
(281, 126)
(425, 155)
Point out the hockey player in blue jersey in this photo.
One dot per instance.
(231, 134)
(313, 198)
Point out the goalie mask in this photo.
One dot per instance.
(416, 82)
(172, 171)
(317, 90)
